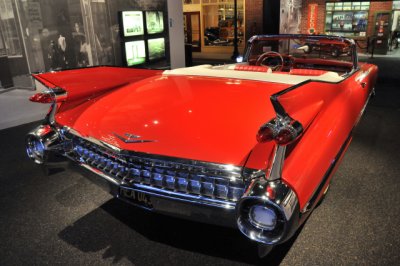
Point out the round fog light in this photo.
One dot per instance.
(263, 217)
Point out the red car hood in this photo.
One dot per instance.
(200, 118)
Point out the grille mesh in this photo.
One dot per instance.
(184, 177)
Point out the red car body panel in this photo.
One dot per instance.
(92, 81)
(188, 118)
(185, 116)
(341, 109)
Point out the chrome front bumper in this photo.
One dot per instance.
(164, 203)
(265, 211)
(195, 190)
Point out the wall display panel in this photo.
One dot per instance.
(342, 21)
(135, 53)
(154, 22)
(156, 48)
(132, 23)
(347, 18)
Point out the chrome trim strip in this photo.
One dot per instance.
(153, 191)
(100, 173)
(245, 172)
(277, 161)
(93, 140)
(50, 117)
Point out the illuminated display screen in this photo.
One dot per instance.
(156, 48)
(154, 22)
(132, 22)
(135, 53)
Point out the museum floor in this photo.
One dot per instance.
(64, 219)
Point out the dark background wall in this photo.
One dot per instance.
(271, 16)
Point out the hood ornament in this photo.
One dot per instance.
(131, 138)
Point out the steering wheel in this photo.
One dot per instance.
(270, 54)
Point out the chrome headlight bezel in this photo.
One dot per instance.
(39, 141)
(273, 196)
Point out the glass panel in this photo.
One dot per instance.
(329, 6)
(347, 23)
(338, 6)
(195, 23)
(347, 6)
(365, 6)
(360, 21)
(9, 29)
(185, 29)
(342, 21)
(219, 23)
(102, 33)
(356, 6)
(328, 21)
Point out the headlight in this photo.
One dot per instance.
(39, 141)
(268, 212)
(35, 149)
(263, 217)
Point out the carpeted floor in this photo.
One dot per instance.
(64, 219)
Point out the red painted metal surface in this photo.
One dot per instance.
(214, 119)
(340, 109)
(90, 82)
(185, 116)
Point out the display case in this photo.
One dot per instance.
(142, 37)
(347, 18)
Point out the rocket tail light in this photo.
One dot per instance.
(283, 130)
(267, 132)
(55, 95)
(42, 97)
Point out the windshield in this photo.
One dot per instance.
(308, 52)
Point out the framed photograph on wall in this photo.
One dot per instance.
(132, 23)
(156, 48)
(135, 53)
(154, 22)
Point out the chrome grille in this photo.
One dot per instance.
(182, 176)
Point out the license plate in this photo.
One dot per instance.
(136, 197)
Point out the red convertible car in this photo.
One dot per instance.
(251, 145)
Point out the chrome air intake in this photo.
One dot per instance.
(265, 212)
(39, 141)
(222, 183)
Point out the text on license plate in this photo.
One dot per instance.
(136, 197)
